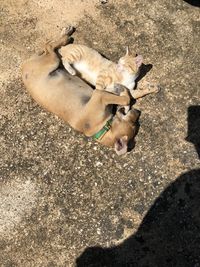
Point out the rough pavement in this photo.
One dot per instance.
(60, 192)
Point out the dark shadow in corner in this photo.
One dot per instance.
(193, 2)
(194, 127)
(169, 235)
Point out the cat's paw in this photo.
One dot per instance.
(69, 68)
(67, 30)
(119, 88)
(157, 89)
(153, 88)
(72, 72)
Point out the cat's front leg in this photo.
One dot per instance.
(131, 86)
(69, 68)
(100, 86)
(104, 82)
(146, 89)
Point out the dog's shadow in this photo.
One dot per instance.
(169, 235)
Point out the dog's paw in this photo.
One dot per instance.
(67, 30)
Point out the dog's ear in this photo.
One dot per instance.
(138, 60)
(132, 114)
(120, 112)
(121, 145)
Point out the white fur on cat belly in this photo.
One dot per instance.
(129, 80)
(89, 75)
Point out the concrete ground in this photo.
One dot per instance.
(65, 200)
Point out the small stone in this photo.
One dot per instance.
(103, 1)
(98, 231)
(98, 164)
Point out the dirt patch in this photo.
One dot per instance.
(17, 200)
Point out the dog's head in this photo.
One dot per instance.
(124, 128)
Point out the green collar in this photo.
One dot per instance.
(103, 130)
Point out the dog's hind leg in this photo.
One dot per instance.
(48, 62)
(62, 41)
(51, 60)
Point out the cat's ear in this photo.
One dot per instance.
(121, 145)
(139, 60)
(127, 51)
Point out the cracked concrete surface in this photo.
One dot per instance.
(60, 192)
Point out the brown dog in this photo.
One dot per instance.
(86, 110)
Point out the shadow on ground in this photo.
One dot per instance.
(193, 2)
(169, 235)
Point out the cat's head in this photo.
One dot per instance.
(124, 129)
(130, 63)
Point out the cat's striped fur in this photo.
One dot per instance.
(99, 71)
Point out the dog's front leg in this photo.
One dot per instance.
(108, 98)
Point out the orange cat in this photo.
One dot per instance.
(99, 71)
